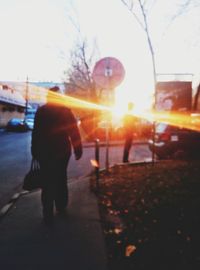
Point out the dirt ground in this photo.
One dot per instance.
(150, 215)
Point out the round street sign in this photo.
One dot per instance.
(108, 72)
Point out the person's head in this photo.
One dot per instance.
(54, 89)
(50, 95)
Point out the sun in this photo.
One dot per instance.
(142, 102)
(123, 96)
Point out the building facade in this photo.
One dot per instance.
(12, 105)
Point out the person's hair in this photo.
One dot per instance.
(49, 96)
(54, 89)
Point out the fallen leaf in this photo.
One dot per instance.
(142, 201)
(129, 250)
(188, 238)
(108, 203)
(117, 230)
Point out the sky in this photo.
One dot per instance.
(37, 36)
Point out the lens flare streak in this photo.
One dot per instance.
(74, 102)
(177, 119)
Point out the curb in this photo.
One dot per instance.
(96, 189)
(4, 210)
(114, 143)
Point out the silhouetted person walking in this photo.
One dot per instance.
(54, 135)
(129, 126)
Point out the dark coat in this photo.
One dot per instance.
(55, 132)
(129, 124)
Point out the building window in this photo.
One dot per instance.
(4, 109)
(20, 109)
(11, 108)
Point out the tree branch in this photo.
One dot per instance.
(130, 8)
(149, 40)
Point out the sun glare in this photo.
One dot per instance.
(142, 103)
(182, 120)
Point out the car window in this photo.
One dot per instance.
(161, 127)
(14, 120)
(30, 119)
(30, 115)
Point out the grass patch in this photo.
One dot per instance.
(151, 215)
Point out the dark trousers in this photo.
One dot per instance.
(127, 147)
(54, 190)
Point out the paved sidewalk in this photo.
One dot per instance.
(75, 242)
(112, 143)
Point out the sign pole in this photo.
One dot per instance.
(108, 73)
(107, 146)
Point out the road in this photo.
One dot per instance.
(15, 158)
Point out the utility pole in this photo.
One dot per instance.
(26, 96)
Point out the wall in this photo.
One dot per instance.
(8, 111)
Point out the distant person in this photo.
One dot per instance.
(54, 135)
(129, 123)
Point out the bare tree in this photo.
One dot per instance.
(79, 81)
(78, 77)
(80, 84)
(183, 7)
(140, 9)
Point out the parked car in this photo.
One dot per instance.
(16, 124)
(30, 123)
(175, 142)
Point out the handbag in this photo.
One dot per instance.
(33, 179)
